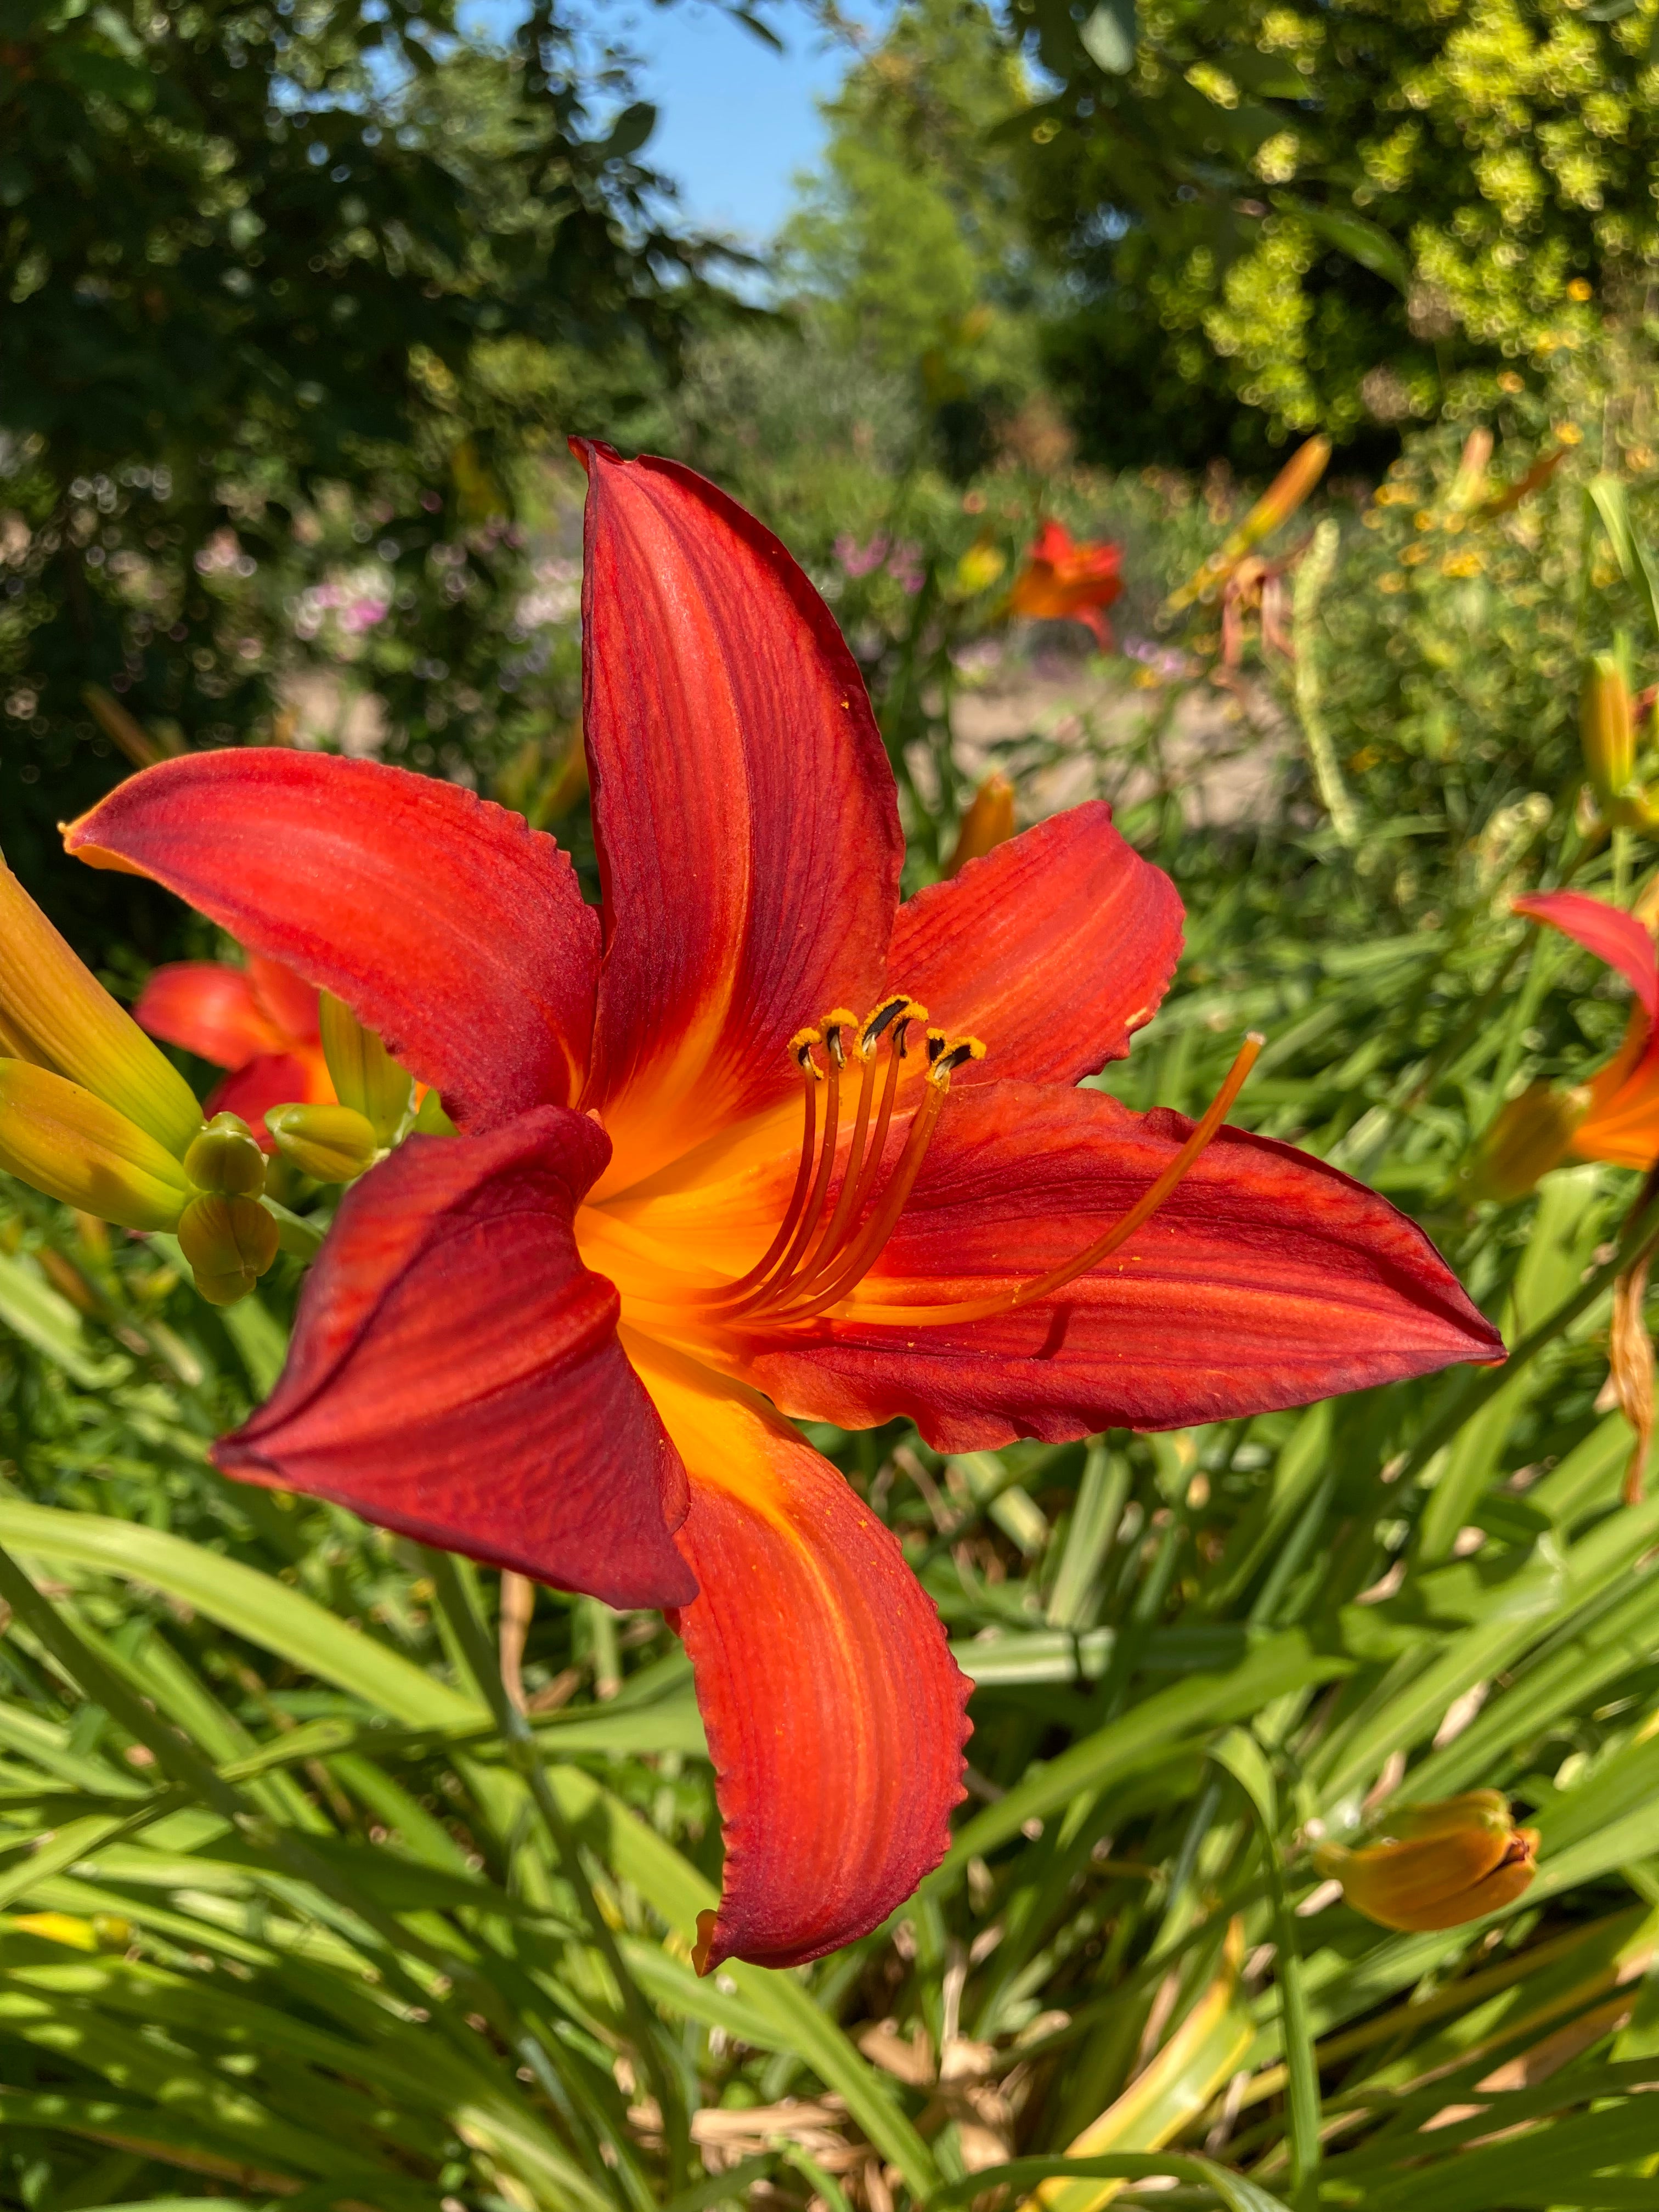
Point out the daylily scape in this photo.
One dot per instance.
(751, 1143)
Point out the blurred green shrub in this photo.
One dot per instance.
(1342, 216)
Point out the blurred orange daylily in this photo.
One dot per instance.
(1615, 1116)
(1277, 504)
(1065, 579)
(260, 1022)
(1440, 1864)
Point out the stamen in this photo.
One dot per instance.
(800, 1050)
(867, 1245)
(834, 1025)
(784, 1275)
(1043, 1286)
(862, 1166)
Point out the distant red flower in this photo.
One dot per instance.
(1066, 579)
(697, 1190)
(260, 1021)
(1618, 1111)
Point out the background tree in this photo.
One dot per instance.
(1346, 216)
(909, 242)
(289, 290)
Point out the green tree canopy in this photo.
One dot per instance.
(1342, 214)
(262, 262)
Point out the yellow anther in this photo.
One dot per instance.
(949, 1055)
(835, 1024)
(801, 1051)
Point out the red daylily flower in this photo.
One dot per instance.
(1620, 1106)
(1066, 579)
(260, 1021)
(695, 1191)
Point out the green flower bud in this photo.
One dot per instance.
(59, 1138)
(226, 1158)
(366, 1077)
(229, 1242)
(330, 1143)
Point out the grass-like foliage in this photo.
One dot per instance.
(298, 1907)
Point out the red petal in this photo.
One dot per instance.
(743, 807)
(455, 1372)
(444, 922)
(1052, 949)
(834, 1711)
(1265, 1280)
(276, 1079)
(1611, 935)
(289, 1000)
(210, 1010)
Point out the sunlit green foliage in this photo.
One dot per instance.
(1347, 216)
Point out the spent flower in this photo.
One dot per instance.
(1439, 1865)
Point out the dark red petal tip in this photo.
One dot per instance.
(443, 921)
(455, 1372)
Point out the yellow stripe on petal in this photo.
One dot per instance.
(54, 1012)
(71, 1145)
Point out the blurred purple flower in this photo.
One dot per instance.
(860, 559)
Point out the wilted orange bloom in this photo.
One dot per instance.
(1066, 579)
(1440, 1864)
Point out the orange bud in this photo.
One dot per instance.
(63, 1140)
(1527, 1138)
(229, 1242)
(366, 1076)
(1441, 1864)
(330, 1143)
(1630, 1370)
(1276, 505)
(988, 823)
(54, 1012)
(1606, 728)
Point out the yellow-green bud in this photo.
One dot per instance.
(56, 1136)
(1606, 728)
(229, 1242)
(226, 1158)
(330, 1143)
(366, 1076)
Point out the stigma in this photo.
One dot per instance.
(821, 1250)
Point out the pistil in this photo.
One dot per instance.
(1038, 1287)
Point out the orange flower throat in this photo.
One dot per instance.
(852, 1074)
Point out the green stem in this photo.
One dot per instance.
(1313, 576)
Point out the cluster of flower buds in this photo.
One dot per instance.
(1439, 1864)
(94, 1114)
(337, 1143)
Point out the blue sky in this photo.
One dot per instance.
(736, 120)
